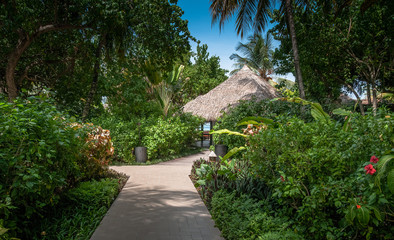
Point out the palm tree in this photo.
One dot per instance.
(255, 13)
(163, 86)
(257, 54)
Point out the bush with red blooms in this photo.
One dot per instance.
(329, 178)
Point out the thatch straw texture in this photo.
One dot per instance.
(244, 85)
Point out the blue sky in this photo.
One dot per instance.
(220, 43)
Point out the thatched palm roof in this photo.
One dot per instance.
(244, 85)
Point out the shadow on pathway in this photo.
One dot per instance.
(158, 202)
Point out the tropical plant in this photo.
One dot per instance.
(256, 53)
(255, 13)
(167, 89)
(163, 86)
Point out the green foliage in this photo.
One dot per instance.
(39, 153)
(42, 153)
(317, 169)
(80, 211)
(234, 175)
(324, 175)
(317, 111)
(242, 217)
(161, 136)
(338, 48)
(256, 54)
(171, 135)
(61, 41)
(262, 109)
(93, 193)
(202, 76)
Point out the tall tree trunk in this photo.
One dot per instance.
(369, 93)
(374, 98)
(13, 59)
(290, 22)
(94, 84)
(24, 42)
(360, 104)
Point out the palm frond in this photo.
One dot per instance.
(222, 11)
(244, 20)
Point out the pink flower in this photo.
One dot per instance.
(369, 169)
(374, 159)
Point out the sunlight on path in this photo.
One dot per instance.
(158, 202)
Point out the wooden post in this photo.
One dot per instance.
(210, 135)
(202, 135)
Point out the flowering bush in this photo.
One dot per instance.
(97, 151)
(318, 175)
(324, 170)
(43, 152)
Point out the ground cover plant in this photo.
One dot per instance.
(333, 179)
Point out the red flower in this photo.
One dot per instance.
(369, 169)
(282, 178)
(358, 206)
(374, 159)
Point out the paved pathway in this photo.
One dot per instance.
(158, 202)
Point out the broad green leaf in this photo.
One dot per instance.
(363, 215)
(342, 112)
(346, 125)
(390, 181)
(317, 111)
(232, 152)
(226, 131)
(351, 214)
(382, 164)
(377, 213)
(254, 120)
(245, 123)
(200, 182)
(3, 230)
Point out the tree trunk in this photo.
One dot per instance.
(94, 84)
(360, 104)
(13, 59)
(374, 98)
(290, 22)
(369, 93)
(24, 42)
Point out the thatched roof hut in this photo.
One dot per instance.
(244, 85)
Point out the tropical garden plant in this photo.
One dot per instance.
(256, 53)
(334, 178)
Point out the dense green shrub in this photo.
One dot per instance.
(235, 175)
(42, 153)
(93, 193)
(39, 153)
(242, 217)
(317, 169)
(264, 108)
(80, 211)
(161, 136)
(323, 174)
(171, 135)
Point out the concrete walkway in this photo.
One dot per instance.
(158, 202)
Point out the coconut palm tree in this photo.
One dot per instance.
(255, 13)
(256, 53)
